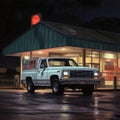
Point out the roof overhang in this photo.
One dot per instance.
(47, 37)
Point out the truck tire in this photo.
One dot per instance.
(88, 90)
(30, 87)
(57, 88)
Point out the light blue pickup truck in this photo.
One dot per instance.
(59, 73)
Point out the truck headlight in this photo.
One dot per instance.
(66, 74)
(96, 74)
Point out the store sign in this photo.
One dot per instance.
(35, 19)
(109, 65)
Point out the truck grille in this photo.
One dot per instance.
(81, 74)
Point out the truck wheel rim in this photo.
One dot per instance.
(29, 86)
(55, 87)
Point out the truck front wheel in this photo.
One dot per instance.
(30, 87)
(88, 90)
(57, 88)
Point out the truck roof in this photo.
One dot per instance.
(54, 58)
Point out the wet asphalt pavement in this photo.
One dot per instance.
(43, 105)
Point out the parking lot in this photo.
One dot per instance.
(19, 105)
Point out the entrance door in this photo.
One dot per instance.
(42, 75)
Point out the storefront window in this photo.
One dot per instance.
(108, 67)
(95, 59)
(119, 66)
(118, 75)
(108, 62)
(92, 59)
(88, 58)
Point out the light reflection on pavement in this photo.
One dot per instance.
(19, 105)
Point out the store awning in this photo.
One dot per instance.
(49, 35)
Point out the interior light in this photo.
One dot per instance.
(40, 52)
(26, 57)
(107, 55)
(63, 48)
(93, 55)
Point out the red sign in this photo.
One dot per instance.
(35, 19)
(109, 65)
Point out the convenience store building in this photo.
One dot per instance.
(88, 47)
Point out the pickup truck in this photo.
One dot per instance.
(58, 74)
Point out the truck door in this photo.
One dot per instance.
(43, 73)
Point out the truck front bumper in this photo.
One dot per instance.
(78, 82)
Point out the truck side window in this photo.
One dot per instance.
(43, 64)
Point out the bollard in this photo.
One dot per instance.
(115, 82)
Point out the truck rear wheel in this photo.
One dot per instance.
(57, 88)
(30, 87)
(88, 90)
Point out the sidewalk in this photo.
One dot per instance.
(107, 89)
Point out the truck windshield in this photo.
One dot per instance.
(61, 62)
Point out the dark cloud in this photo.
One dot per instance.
(89, 4)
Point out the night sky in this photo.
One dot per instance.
(15, 15)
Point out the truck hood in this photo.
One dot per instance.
(79, 68)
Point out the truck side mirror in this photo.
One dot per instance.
(43, 66)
